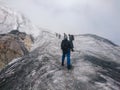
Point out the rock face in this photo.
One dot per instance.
(15, 43)
(12, 45)
(96, 66)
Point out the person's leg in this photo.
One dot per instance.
(63, 58)
(68, 60)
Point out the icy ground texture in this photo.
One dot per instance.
(95, 60)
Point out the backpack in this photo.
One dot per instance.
(72, 37)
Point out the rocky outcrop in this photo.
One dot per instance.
(12, 45)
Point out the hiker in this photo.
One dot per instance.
(66, 48)
(59, 36)
(56, 34)
(71, 38)
(65, 35)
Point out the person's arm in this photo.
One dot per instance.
(71, 46)
(61, 44)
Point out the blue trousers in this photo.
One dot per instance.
(68, 57)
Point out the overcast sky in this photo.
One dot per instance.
(101, 17)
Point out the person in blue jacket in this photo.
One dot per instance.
(66, 48)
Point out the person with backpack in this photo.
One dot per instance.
(71, 38)
(65, 35)
(66, 48)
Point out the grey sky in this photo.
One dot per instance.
(101, 17)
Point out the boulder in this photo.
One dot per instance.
(13, 45)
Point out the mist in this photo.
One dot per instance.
(101, 17)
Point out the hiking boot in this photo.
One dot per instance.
(69, 67)
(62, 64)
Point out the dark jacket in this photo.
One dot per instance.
(71, 44)
(66, 45)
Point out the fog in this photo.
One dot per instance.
(101, 17)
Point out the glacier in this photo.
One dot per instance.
(96, 64)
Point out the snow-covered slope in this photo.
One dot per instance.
(95, 60)
(11, 20)
(98, 46)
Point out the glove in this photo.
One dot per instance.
(72, 50)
